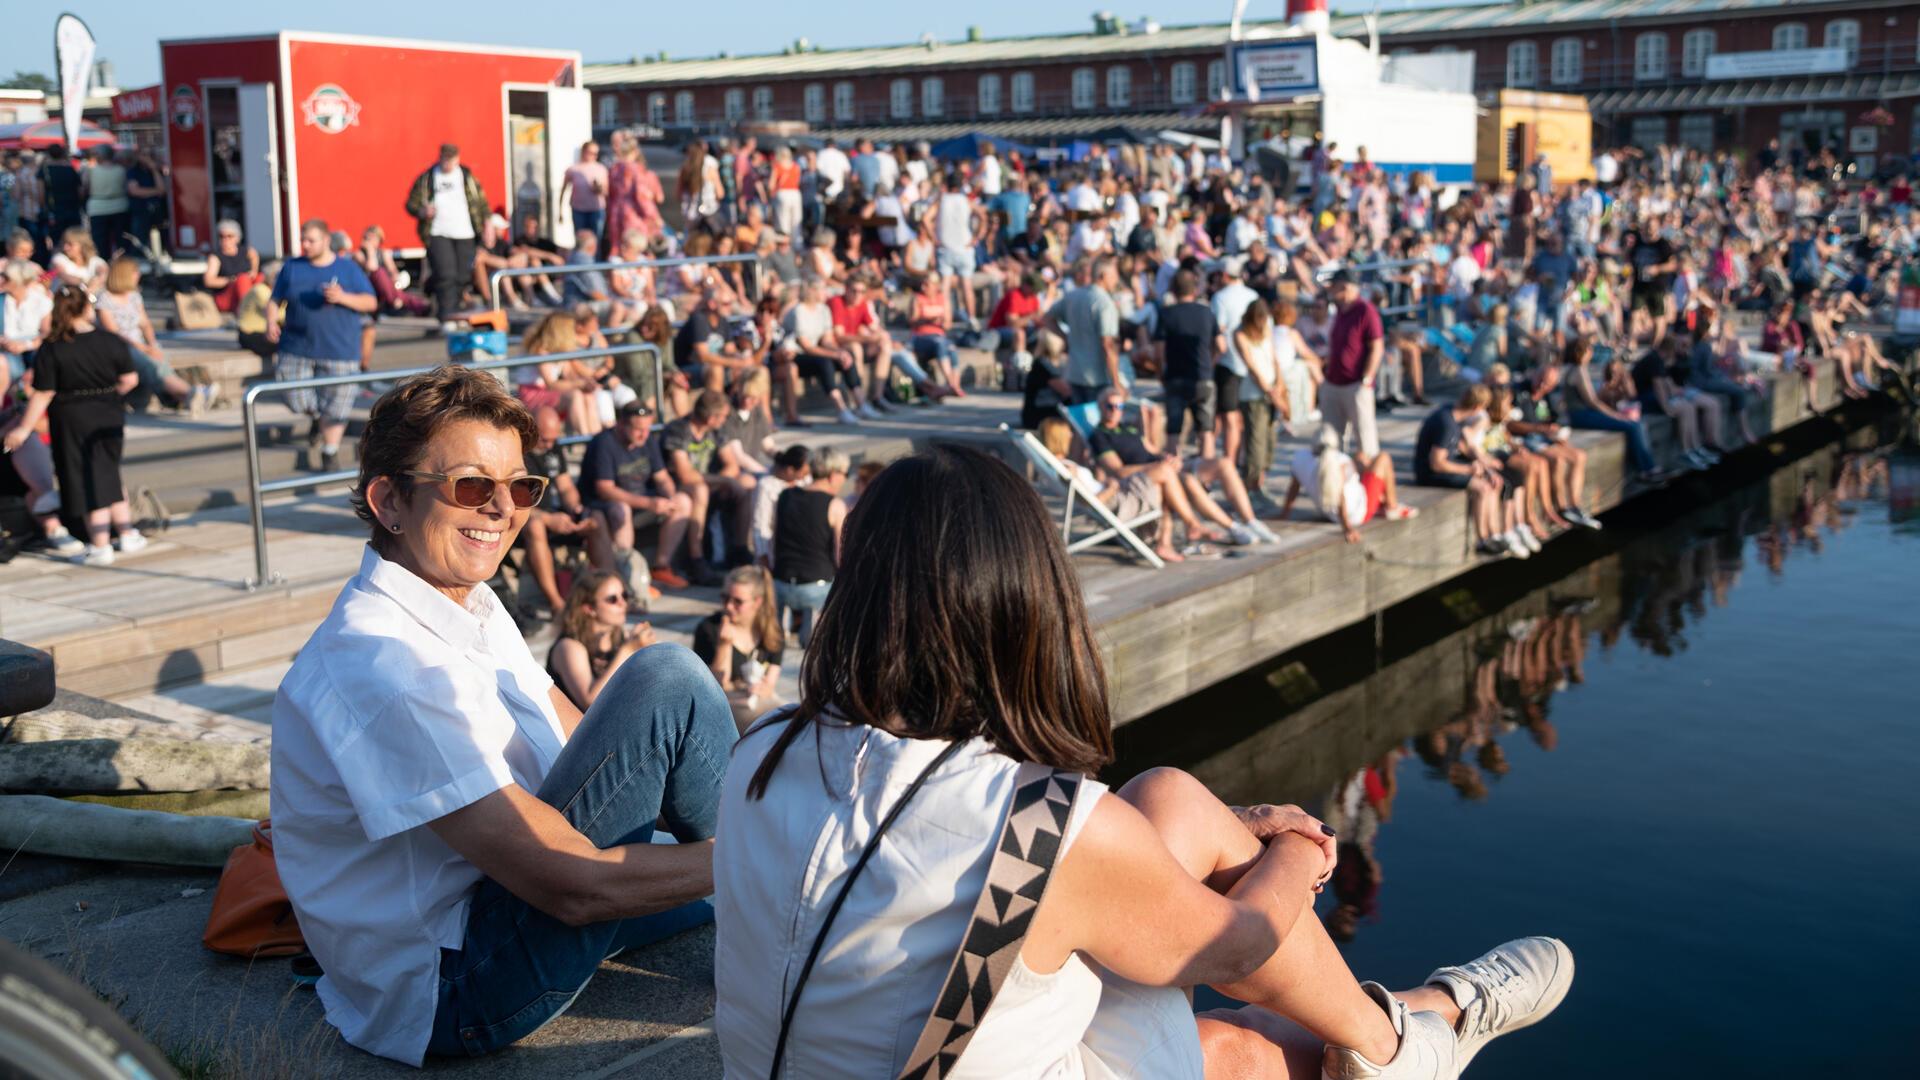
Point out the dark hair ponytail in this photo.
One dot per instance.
(70, 304)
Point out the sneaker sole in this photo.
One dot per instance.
(1545, 1009)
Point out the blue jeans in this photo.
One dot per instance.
(1638, 451)
(653, 746)
(590, 221)
(806, 598)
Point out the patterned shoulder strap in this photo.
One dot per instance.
(1023, 859)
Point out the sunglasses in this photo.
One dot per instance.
(621, 599)
(473, 492)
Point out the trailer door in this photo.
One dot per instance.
(569, 125)
(260, 170)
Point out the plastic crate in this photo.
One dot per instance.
(464, 344)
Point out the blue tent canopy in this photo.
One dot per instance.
(967, 147)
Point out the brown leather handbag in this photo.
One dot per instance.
(251, 914)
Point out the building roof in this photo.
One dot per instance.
(1438, 22)
(1783, 91)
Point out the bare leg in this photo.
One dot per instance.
(1305, 979)
(1712, 421)
(699, 496)
(674, 529)
(1203, 503)
(1214, 470)
(1230, 427)
(1382, 467)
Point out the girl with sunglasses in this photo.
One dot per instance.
(594, 637)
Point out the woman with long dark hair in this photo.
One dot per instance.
(80, 373)
(954, 681)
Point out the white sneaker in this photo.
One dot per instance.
(450, 327)
(96, 556)
(1242, 536)
(1514, 986)
(1428, 1048)
(66, 544)
(1259, 529)
(1515, 546)
(868, 411)
(131, 541)
(1527, 537)
(849, 418)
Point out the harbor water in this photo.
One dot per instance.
(1688, 745)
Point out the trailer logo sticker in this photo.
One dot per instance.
(186, 108)
(330, 109)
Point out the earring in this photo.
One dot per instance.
(395, 528)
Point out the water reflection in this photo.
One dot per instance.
(1438, 690)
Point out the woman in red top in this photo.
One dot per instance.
(625, 209)
(786, 192)
(932, 317)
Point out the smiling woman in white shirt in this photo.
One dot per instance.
(462, 847)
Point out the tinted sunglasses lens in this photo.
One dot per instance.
(526, 490)
(472, 492)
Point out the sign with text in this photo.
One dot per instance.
(1275, 69)
(140, 106)
(1776, 62)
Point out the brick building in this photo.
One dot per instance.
(1723, 72)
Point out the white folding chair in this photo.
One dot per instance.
(1061, 478)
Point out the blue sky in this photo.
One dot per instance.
(128, 30)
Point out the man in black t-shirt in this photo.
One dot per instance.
(1192, 338)
(562, 519)
(700, 347)
(624, 476)
(1653, 265)
(1148, 477)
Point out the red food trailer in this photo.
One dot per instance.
(280, 128)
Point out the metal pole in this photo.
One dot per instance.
(260, 569)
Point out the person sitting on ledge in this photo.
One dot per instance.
(877, 803)
(461, 845)
(1344, 491)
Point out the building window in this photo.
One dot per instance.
(1845, 34)
(683, 107)
(933, 97)
(1119, 87)
(1790, 35)
(1648, 132)
(1695, 47)
(1216, 78)
(1523, 63)
(609, 110)
(1083, 88)
(843, 101)
(1650, 56)
(901, 99)
(763, 103)
(1696, 130)
(1023, 91)
(657, 110)
(735, 104)
(1185, 83)
(813, 103)
(1567, 55)
(987, 100)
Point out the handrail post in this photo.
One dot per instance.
(262, 572)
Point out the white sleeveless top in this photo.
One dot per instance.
(779, 862)
(1264, 358)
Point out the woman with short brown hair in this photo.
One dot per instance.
(461, 844)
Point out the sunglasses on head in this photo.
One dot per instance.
(473, 492)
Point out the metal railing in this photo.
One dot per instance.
(494, 279)
(258, 489)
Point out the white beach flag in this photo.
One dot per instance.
(73, 58)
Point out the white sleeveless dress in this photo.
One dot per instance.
(780, 861)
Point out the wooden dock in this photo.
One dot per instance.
(178, 615)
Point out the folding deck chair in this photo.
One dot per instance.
(1060, 478)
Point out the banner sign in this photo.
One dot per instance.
(140, 106)
(1275, 69)
(73, 59)
(1776, 63)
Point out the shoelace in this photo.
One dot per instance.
(1497, 980)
